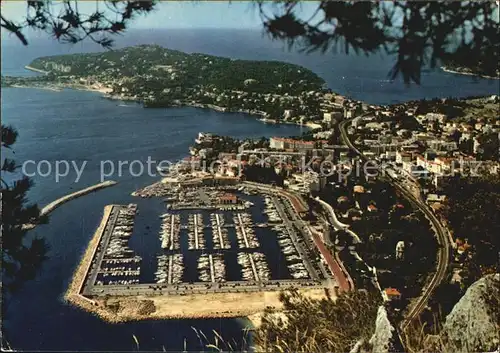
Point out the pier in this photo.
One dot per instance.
(219, 231)
(196, 240)
(172, 225)
(170, 268)
(112, 249)
(196, 245)
(212, 270)
(240, 222)
(55, 204)
(254, 269)
(169, 234)
(244, 231)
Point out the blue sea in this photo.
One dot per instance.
(84, 127)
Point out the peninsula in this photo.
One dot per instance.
(456, 68)
(160, 77)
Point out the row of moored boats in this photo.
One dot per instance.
(219, 232)
(196, 240)
(211, 268)
(170, 230)
(245, 233)
(170, 269)
(119, 264)
(294, 262)
(254, 266)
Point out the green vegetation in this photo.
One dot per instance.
(262, 174)
(22, 256)
(392, 220)
(309, 325)
(160, 67)
(468, 110)
(161, 77)
(474, 214)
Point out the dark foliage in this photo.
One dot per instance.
(22, 256)
(309, 325)
(474, 213)
(420, 34)
(64, 22)
(262, 174)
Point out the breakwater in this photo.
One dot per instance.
(73, 294)
(31, 68)
(56, 203)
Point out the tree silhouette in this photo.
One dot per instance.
(21, 258)
(420, 34)
(66, 23)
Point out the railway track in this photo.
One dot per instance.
(441, 235)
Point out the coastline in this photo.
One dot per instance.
(445, 69)
(106, 92)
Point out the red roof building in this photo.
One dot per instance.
(228, 199)
(392, 294)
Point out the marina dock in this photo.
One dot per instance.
(116, 265)
(113, 262)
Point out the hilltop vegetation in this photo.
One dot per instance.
(160, 77)
(469, 109)
(160, 67)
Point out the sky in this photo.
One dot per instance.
(179, 14)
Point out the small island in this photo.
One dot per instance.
(160, 77)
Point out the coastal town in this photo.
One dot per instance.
(336, 204)
(250, 176)
(325, 212)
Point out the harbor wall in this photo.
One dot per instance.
(56, 203)
(73, 294)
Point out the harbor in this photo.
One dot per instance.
(259, 246)
(113, 262)
(198, 246)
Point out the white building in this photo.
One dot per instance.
(400, 249)
(277, 143)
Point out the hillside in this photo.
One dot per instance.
(160, 67)
(160, 77)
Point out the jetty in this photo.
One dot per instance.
(74, 292)
(56, 203)
(31, 68)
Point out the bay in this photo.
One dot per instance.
(83, 127)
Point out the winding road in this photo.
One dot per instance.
(441, 235)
